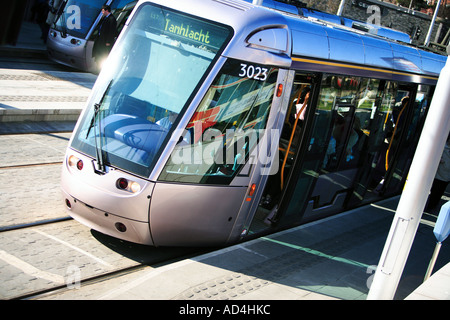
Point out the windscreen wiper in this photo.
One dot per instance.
(97, 108)
(98, 143)
(63, 21)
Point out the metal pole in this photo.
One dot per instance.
(257, 2)
(427, 40)
(415, 193)
(341, 8)
(433, 260)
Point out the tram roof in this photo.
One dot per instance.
(312, 37)
(316, 39)
(329, 37)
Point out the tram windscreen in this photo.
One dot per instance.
(145, 85)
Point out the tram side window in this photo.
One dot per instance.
(353, 111)
(421, 104)
(337, 100)
(226, 127)
(381, 131)
(360, 129)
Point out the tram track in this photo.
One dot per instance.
(72, 284)
(41, 257)
(15, 166)
(33, 224)
(36, 63)
(61, 289)
(57, 291)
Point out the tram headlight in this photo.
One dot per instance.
(75, 41)
(128, 185)
(135, 187)
(74, 162)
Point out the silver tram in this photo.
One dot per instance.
(72, 35)
(214, 121)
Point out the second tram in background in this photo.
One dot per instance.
(75, 28)
(218, 120)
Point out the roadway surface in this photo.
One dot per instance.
(41, 248)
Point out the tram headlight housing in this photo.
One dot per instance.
(75, 162)
(128, 185)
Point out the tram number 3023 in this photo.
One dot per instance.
(252, 72)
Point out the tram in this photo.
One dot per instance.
(217, 121)
(71, 37)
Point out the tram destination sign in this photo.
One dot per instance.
(188, 31)
(194, 31)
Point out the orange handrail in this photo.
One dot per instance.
(297, 116)
(386, 164)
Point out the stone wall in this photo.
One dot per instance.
(387, 15)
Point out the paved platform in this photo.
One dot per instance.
(42, 101)
(437, 287)
(39, 100)
(331, 259)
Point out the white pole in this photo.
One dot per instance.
(341, 8)
(257, 2)
(427, 40)
(415, 193)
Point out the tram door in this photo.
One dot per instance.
(406, 141)
(391, 132)
(347, 134)
(394, 133)
(353, 145)
(386, 135)
(324, 162)
(290, 147)
(339, 134)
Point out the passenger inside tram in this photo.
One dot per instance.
(167, 122)
(379, 163)
(393, 131)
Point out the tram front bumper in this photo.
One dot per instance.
(107, 223)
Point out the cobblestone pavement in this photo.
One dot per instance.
(29, 149)
(43, 257)
(59, 254)
(30, 171)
